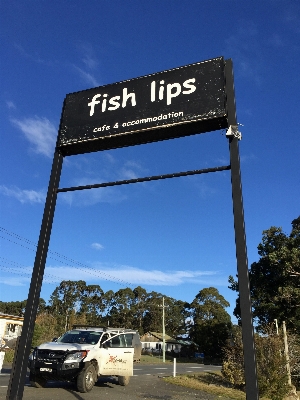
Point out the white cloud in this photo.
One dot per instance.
(248, 157)
(204, 190)
(87, 77)
(106, 168)
(88, 55)
(97, 246)
(40, 132)
(11, 105)
(90, 64)
(110, 158)
(23, 196)
(121, 274)
(90, 197)
(130, 170)
(33, 57)
(23, 274)
(107, 172)
(14, 281)
(89, 61)
(130, 276)
(156, 277)
(127, 173)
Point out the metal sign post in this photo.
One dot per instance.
(22, 351)
(241, 249)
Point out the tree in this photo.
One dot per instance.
(211, 322)
(44, 329)
(152, 320)
(140, 297)
(64, 299)
(275, 279)
(176, 315)
(16, 308)
(92, 304)
(120, 313)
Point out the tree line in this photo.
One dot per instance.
(204, 321)
(274, 286)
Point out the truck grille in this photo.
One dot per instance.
(50, 355)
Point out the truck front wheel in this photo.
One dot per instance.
(123, 380)
(37, 381)
(86, 379)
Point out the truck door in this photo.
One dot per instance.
(115, 357)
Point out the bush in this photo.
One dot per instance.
(44, 329)
(9, 356)
(271, 366)
(233, 363)
(271, 363)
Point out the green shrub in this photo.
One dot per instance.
(9, 356)
(233, 374)
(233, 363)
(271, 364)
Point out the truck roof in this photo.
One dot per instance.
(102, 329)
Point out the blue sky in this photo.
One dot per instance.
(174, 236)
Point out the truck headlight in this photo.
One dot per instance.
(78, 356)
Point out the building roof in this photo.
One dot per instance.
(187, 342)
(159, 336)
(13, 317)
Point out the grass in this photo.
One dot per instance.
(209, 382)
(212, 383)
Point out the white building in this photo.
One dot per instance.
(153, 341)
(10, 328)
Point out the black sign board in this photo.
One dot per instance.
(173, 103)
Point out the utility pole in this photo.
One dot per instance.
(286, 351)
(163, 329)
(276, 325)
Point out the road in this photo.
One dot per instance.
(147, 383)
(166, 369)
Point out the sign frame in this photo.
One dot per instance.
(19, 368)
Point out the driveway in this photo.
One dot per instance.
(146, 387)
(140, 387)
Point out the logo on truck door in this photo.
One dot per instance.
(114, 360)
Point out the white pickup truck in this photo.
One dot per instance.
(83, 354)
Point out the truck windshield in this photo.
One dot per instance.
(81, 337)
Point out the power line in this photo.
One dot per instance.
(16, 268)
(59, 257)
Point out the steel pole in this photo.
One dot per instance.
(18, 375)
(241, 249)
